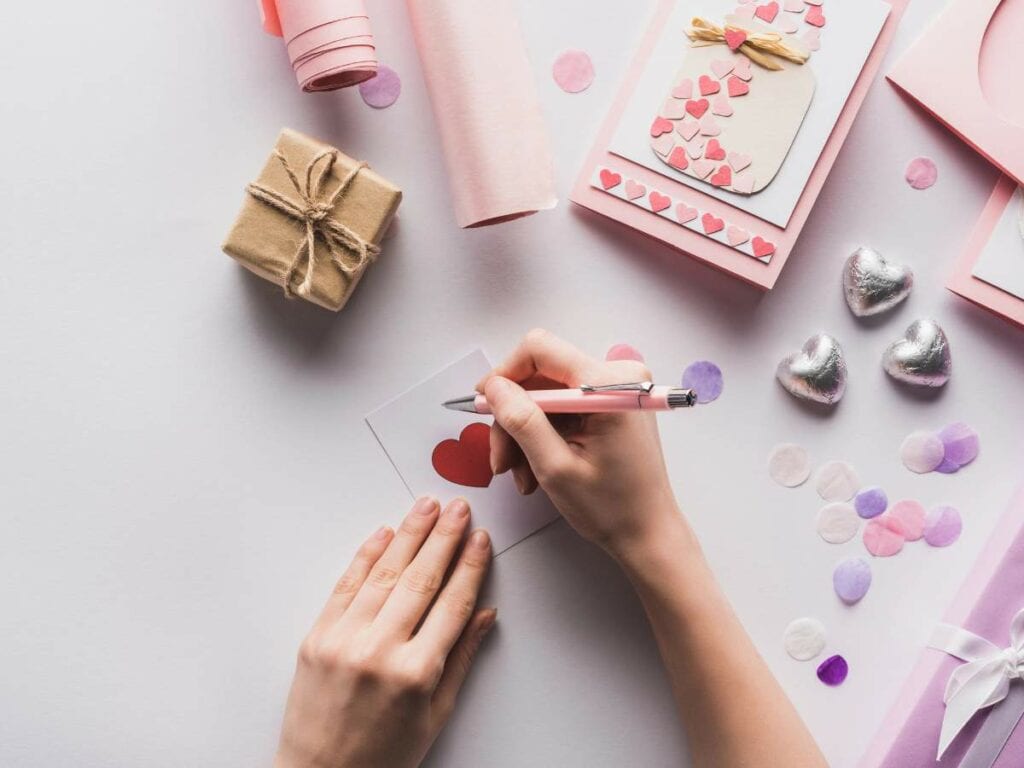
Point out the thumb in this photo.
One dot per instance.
(457, 665)
(526, 423)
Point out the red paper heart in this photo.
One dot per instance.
(697, 107)
(711, 223)
(762, 247)
(659, 202)
(714, 150)
(767, 12)
(708, 86)
(677, 159)
(814, 16)
(722, 177)
(466, 461)
(610, 179)
(734, 38)
(737, 87)
(660, 126)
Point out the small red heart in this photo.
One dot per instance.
(711, 223)
(734, 38)
(737, 87)
(814, 16)
(714, 150)
(722, 177)
(708, 86)
(677, 159)
(697, 107)
(610, 179)
(660, 126)
(762, 247)
(767, 12)
(659, 202)
(466, 461)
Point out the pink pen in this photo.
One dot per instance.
(636, 396)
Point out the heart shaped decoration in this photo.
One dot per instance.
(711, 223)
(721, 106)
(660, 126)
(702, 168)
(872, 284)
(610, 179)
(466, 461)
(714, 151)
(762, 247)
(722, 67)
(697, 107)
(708, 86)
(815, 16)
(685, 213)
(658, 201)
(677, 159)
(743, 182)
(767, 12)
(921, 357)
(683, 90)
(739, 161)
(709, 126)
(817, 372)
(722, 177)
(634, 190)
(695, 148)
(737, 87)
(742, 69)
(734, 38)
(687, 128)
(736, 236)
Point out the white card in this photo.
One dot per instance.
(411, 426)
(847, 38)
(1001, 262)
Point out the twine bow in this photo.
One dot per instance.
(763, 48)
(315, 213)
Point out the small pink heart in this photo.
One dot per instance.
(695, 148)
(660, 126)
(743, 183)
(812, 39)
(814, 16)
(659, 202)
(663, 144)
(677, 159)
(685, 213)
(744, 12)
(722, 177)
(721, 106)
(711, 223)
(734, 38)
(767, 12)
(794, 6)
(714, 151)
(634, 190)
(708, 86)
(687, 128)
(702, 168)
(736, 236)
(742, 69)
(762, 247)
(721, 67)
(709, 126)
(673, 109)
(739, 161)
(610, 179)
(684, 89)
(787, 26)
(736, 87)
(697, 107)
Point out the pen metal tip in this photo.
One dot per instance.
(467, 404)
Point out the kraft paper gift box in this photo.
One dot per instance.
(313, 220)
(965, 696)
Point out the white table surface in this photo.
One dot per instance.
(185, 469)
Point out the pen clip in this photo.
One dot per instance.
(640, 387)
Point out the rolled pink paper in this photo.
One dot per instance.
(485, 105)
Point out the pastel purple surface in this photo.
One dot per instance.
(383, 89)
(705, 377)
(871, 502)
(833, 670)
(960, 442)
(942, 526)
(851, 579)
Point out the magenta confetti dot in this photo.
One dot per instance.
(942, 526)
(921, 172)
(573, 71)
(706, 378)
(961, 444)
(851, 579)
(624, 352)
(871, 502)
(833, 670)
(382, 90)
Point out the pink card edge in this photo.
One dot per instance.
(718, 255)
(962, 280)
(981, 572)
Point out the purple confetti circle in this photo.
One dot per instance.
(382, 90)
(871, 502)
(706, 378)
(942, 526)
(961, 444)
(851, 579)
(833, 670)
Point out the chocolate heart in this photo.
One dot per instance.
(872, 284)
(921, 357)
(466, 461)
(817, 372)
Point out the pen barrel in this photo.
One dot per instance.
(577, 401)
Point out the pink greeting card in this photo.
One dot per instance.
(729, 120)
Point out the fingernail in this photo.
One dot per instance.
(498, 384)
(487, 622)
(520, 484)
(458, 508)
(480, 539)
(425, 506)
(382, 533)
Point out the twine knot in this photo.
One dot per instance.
(762, 48)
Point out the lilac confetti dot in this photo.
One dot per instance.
(921, 172)
(942, 526)
(871, 502)
(382, 90)
(960, 442)
(851, 579)
(705, 377)
(833, 670)
(948, 467)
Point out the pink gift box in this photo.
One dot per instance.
(985, 605)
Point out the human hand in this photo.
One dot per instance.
(378, 674)
(605, 472)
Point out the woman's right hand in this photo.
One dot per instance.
(605, 472)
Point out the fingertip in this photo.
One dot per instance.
(382, 534)
(425, 506)
(488, 618)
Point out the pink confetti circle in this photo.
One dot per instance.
(921, 172)
(884, 536)
(624, 352)
(911, 515)
(573, 71)
(382, 90)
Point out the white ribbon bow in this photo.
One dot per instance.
(983, 680)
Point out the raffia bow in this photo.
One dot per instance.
(315, 213)
(762, 48)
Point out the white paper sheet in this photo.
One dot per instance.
(410, 426)
(1001, 262)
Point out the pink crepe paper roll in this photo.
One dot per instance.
(329, 42)
(485, 104)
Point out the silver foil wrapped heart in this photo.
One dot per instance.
(921, 357)
(872, 284)
(817, 372)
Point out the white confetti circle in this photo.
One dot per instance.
(804, 639)
(837, 481)
(789, 465)
(838, 523)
